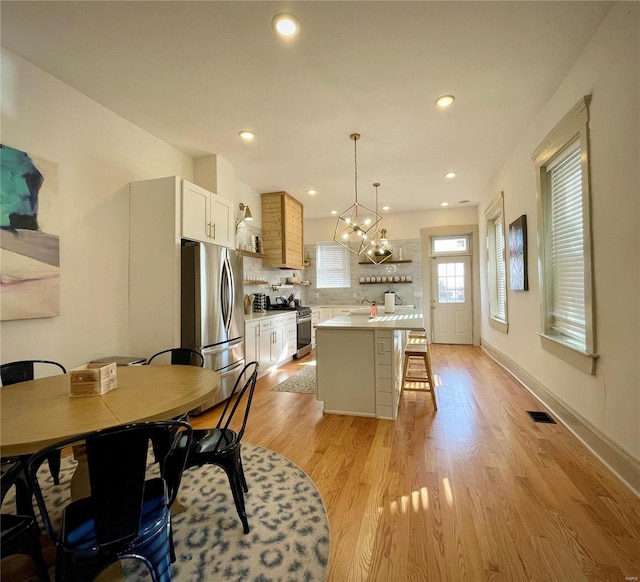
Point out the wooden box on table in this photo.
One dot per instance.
(93, 379)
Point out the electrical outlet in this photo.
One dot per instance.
(355, 294)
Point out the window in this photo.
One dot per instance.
(332, 266)
(447, 245)
(451, 282)
(562, 168)
(496, 257)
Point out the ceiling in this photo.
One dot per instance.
(196, 73)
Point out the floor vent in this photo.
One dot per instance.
(540, 417)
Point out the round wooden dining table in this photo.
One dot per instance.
(40, 412)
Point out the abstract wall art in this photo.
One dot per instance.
(29, 251)
(518, 254)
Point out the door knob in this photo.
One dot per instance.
(433, 304)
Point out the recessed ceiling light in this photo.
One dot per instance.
(450, 175)
(286, 25)
(385, 208)
(463, 202)
(444, 204)
(334, 212)
(445, 100)
(311, 192)
(246, 135)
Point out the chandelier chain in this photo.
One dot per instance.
(376, 187)
(355, 164)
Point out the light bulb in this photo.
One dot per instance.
(286, 24)
(445, 100)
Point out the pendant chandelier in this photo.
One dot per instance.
(356, 223)
(379, 249)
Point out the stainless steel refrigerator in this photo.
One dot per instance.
(212, 311)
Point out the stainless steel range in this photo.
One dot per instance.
(303, 321)
(303, 325)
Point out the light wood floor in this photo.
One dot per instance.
(476, 491)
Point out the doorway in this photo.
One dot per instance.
(454, 316)
(451, 300)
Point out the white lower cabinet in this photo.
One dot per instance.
(325, 313)
(270, 347)
(289, 336)
(252, 341)
(338, 311)
(271, 340)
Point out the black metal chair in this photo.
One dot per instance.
(23, 371)
(181, 356)
(19, 533)
(221, 445)
(126, 514)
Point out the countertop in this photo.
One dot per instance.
(412, 320)
(274, 313)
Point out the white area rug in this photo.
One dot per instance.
(302, 382)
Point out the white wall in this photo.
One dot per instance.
(610, 400)
(98, 154)
(251, 197)
(402, 225)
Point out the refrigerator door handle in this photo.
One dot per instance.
(224, 348)
(232, 287)
(227, 293)
(232, 369)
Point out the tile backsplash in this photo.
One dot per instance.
(409, 293)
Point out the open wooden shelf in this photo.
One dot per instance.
(388, 283)
(252, 254)
(388, 262)
(255, 282)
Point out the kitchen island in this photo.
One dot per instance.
(359, 362)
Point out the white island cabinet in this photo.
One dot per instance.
(359, 363)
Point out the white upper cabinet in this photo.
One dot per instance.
(206, 216)
(196, 212)
(222, 222)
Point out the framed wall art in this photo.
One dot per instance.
(29, 251)
(518, 276)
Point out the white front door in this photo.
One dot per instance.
(451, 300)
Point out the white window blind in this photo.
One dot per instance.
(332, 266)
(501, 276)
(496, 265)
(567, 246)
(564, 257)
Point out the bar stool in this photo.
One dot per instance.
(419, 350)
(417, 336)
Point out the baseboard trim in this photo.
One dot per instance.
(621, 463)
